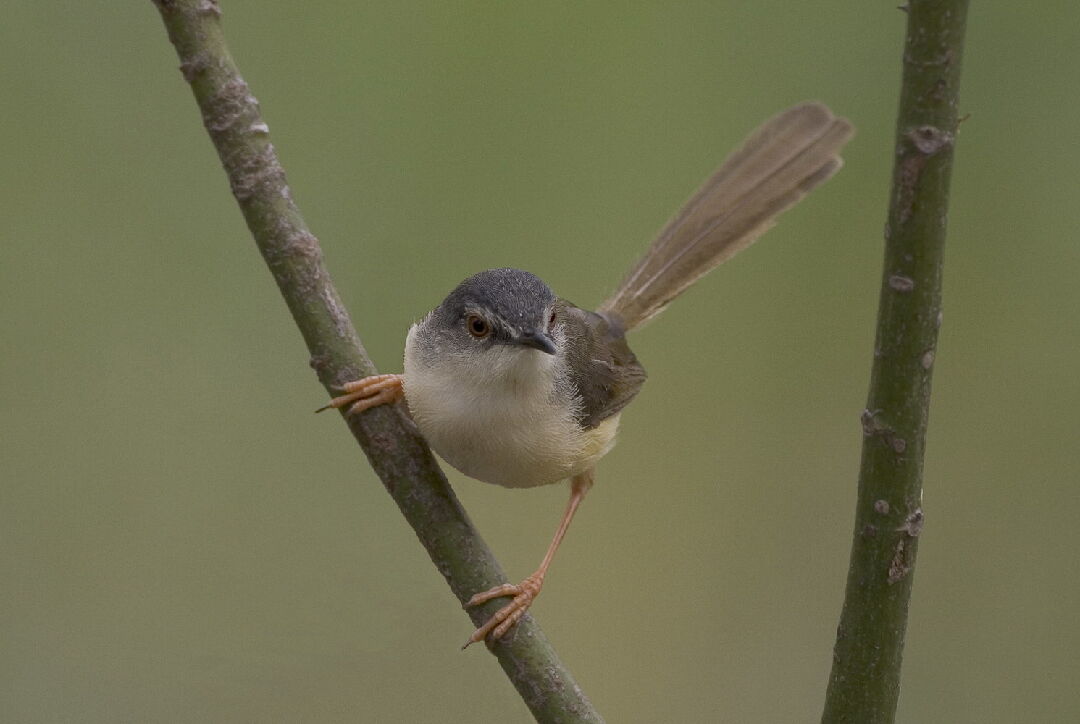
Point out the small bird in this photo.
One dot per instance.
(514, 386)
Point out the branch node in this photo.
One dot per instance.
(903, 559)
(930, 139)
(209, 7)
(872, 427)
(913, 523)
(901, 283)
(869, 424)
(899, 566)
(191, 68)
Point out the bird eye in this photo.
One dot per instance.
(477, 326)
(551, 320)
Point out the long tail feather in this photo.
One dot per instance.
(776, 166)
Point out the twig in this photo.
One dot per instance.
(395, 450)
(865, 681)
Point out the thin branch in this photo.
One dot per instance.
(865, 681)
(394, 448)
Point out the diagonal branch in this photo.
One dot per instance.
(865, 681)
(395, 450)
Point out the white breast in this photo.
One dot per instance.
(501, 418)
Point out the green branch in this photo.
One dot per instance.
(394, 448)
(865, 680)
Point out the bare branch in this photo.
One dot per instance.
(865, 681)
(394, 448)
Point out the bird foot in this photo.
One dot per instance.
(503, 619)
(368, 392)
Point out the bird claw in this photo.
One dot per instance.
(366, 393)
(505, 618)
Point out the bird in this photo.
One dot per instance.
(515, 386)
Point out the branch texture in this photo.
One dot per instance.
(394, 448)
(865, 682)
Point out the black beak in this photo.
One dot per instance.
(537, 340)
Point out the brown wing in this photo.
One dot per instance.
(604, 372)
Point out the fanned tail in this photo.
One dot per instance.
(777, 165)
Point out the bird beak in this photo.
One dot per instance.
(537, 340)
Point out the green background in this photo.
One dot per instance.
(182, 540)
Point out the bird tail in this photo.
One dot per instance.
(776, 166)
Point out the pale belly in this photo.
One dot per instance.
(503, 444)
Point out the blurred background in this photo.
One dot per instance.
(182, 540)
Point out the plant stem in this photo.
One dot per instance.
(865, 680)
(394, 448)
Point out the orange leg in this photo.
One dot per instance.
(368, 392)
(525, 592)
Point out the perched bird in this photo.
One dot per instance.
(514, 386)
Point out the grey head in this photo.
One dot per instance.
(495, 307)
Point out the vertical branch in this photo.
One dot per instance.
(865, 680)
(395, 450)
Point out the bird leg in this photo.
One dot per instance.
(525, 592)
(368, 392)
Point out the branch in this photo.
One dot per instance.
(865, 680)
(394, 448)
